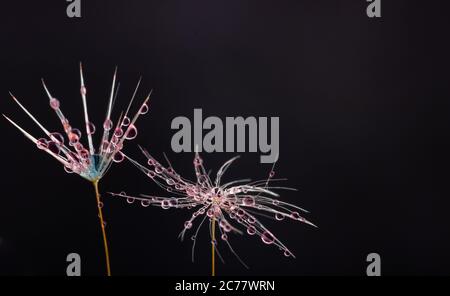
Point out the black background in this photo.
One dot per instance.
(361, 104)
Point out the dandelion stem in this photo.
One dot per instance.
(102, 225)
(213, 251)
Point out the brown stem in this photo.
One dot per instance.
(102, 225)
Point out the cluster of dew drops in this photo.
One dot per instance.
(80, 159)
(226, 200)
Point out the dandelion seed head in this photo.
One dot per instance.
(237, 205)
(82, 158)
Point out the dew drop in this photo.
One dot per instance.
(53, 147)
(118, 157)
(90, 127)
(275, 202)
(83, 90)
(251, 230)
(165, 204)
(84, 154)
(151, 162)
(188, 224)
(126, 121)
(130, 200)
(54, 103)
(193, 237)
(224, 237)
(145, 203)
(248, 201)
(173, 202)
(131, 132)
(57, 137)
(251, 220)
(271, 174)
(107, 125)
(295, 216)
(158, 170)
(68, 169)
(287, 253)
(144, 109)
(279, 216)
(118, 132)
(42, 143)
(73, 137)
(267, 238)
(151, 174)
(100, 204)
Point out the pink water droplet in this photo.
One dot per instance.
(151, 162)
(271, 174)
(267, 238)
(173, 202)
(224, 237)
(57, 137)
(251, 220)
(158, 170)
(53, 147)
(84, 154)
(295, 216)
(287, 253)
(170, 182)
(210, 213)
(68, 169)
(131, 132)
(188, 224)
(42, 143)
(198, 161)
(118, 132)
(248, 201)
(279, 216)
(107, 125)
(83, 90)
(78, 147)
(100, 204)
(227, 228)
(126, 121)
(54, 103)
(144, 109)
(145, 203)
(130, 200)
(222, 223)
(66, 125)
(251, 230)
(74, 136)
(151, 174)
(90, 127)
(165, 204)
(118, 157)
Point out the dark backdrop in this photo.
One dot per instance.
(360, 103)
